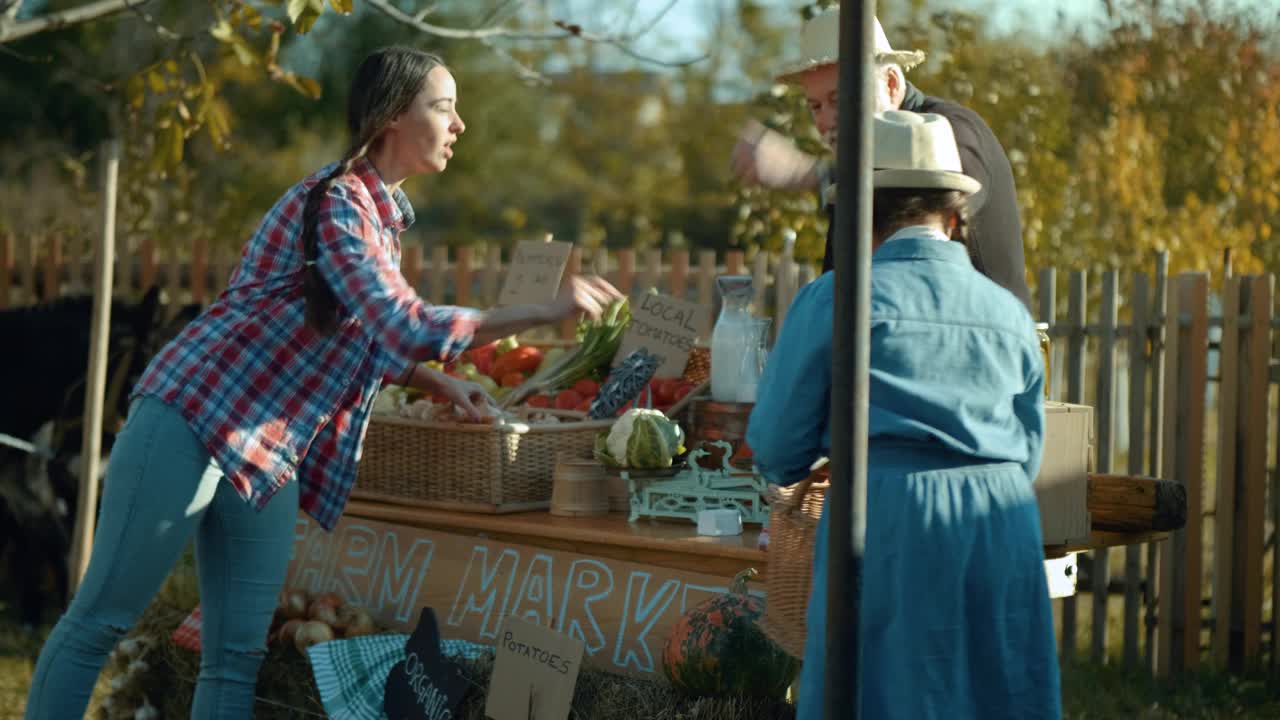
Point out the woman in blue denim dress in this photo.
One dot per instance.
(955, 620)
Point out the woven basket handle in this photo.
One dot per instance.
(794, 499)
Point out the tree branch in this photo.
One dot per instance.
(564, 31)
(9, 11)
(10, 31)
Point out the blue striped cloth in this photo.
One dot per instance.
(352, 674)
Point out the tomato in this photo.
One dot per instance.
(568, 400)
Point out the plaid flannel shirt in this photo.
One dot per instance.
(272, 399)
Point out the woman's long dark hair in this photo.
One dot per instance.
(895, 208)
(383, 89)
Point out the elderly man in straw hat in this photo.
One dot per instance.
(765, 157)
(955, 620)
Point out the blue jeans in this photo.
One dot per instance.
(162, 488)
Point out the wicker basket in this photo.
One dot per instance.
(793, 523)
(475, 468)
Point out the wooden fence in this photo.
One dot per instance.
(1182, 377)
(1184, 391)
(36, 269)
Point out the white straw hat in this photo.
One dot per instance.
(820, 45)
(914, 150)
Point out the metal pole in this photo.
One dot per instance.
(847, 499)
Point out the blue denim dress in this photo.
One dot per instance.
(955, 619)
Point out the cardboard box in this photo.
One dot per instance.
(1062, 487)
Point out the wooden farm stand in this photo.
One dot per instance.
(618, 585)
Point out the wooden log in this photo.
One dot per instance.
(1124, 503)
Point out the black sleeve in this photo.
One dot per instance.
(996, 226)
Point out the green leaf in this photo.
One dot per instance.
(342, 6)
(296, 8)
(135, 91)
(304, 85)
(176, 142)
(222, 31)
(156, 81)
(307, 19)
(244, 53)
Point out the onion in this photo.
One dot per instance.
(289, 631)
(312, 632)
(355, 621)
(294, 605)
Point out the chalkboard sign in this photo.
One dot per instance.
(425, 685)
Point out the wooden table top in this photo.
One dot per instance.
(611, 529)
(1126, 510)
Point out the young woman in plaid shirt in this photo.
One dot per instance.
(260, 405)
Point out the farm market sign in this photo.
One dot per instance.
(622, 612)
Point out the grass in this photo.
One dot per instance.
(1091, 692)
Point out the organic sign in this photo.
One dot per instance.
(666, 326)
(425, 685)
(534, 275)
(534, 673)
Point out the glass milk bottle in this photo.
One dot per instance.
(729, 338)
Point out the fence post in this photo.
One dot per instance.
(1047, 288)
(411, 266)
(28, 270)
(147, 274)
(1139, 304)
(1256, 299)
(735, 263)
(760, 281)
(569, 326)
(173, 281)
(626, 270)
(680, 273)
(200, 270)
(1105, 417)
(784, 283)
(491, 281)
(1178, 641)
(50, 283)
(436, 273)
(706, 278)
(1224, 515)
(1155, 435)
(651, 274)
(6, 268)
(1077, 318)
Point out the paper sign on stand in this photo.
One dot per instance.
(534, 673)
(666, 326)
(534, 275)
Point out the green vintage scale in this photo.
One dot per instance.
(683, 493)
